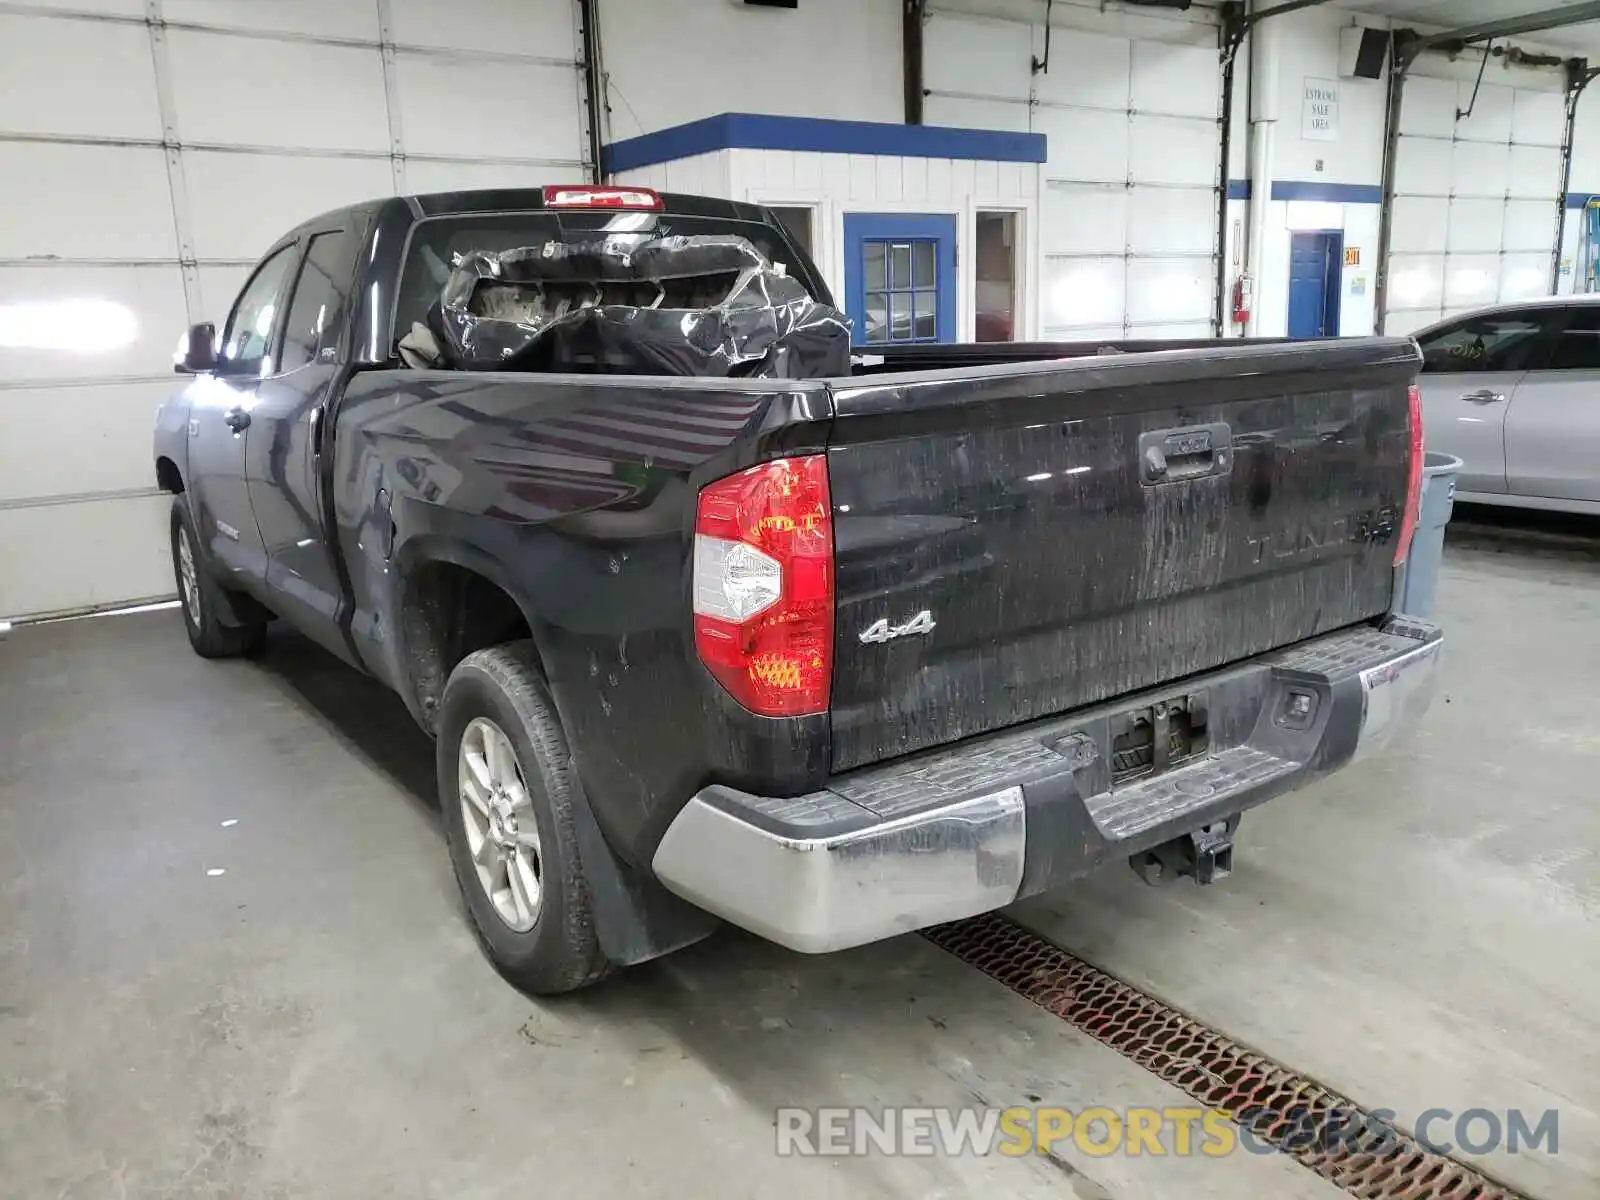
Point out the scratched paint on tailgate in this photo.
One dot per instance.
(1059, 567)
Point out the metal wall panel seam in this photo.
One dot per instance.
(1132, 255)
(56, 260)
(25, 384)
(1197, 18)
(287, 35)
(23, 502)
(71, 139)
(391, 97)
(592, 85)
(1125, 185)
(1071, 106)
(182, 221)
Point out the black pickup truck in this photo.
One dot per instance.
(828, 658)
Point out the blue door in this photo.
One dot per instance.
(900, 277)
(1316, 261)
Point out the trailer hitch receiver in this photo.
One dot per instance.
(1206, 855)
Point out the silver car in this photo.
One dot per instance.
(1514, 392)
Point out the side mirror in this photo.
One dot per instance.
(197, 351)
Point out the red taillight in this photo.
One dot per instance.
(584, 196)
(763, 585)
(1408, 523)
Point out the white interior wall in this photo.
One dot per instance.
(836, 184)
(1308, 45)
(669, 62)
(1585, 181)
(1475, 195)
(210, 128)
(1308, 42)
(1128, 197)
(1237, 230)
(699, 174)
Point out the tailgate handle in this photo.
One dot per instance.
(1193, 452)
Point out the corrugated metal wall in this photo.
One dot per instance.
(1475, 196)
(140, 187)
(1128, 199)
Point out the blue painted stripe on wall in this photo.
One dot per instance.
(1340, 193)
(1337, 193)
(759, 131)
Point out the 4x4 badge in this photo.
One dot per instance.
(882, 631)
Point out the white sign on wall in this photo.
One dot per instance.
(1319, 111)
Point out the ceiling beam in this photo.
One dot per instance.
(1550, 18)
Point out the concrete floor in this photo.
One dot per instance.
(316, 1020)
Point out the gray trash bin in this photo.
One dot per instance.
(1427, 543)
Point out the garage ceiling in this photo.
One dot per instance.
(1457, 14)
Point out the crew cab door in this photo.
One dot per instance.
(1471, 368)
(289, 434)
(1553, 427)
(221, 412)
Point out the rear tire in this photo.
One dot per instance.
(200, 597)
(510, 824)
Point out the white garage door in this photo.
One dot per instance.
(1475, 197)
(1129, 204)
(148, 162)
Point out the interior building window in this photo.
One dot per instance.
(997, 277)
(902, 299)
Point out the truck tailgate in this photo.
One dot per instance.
(1015, 541)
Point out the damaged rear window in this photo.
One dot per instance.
(437, 243)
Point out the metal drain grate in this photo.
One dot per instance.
(1319, 1128)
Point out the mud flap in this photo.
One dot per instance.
(636, 919)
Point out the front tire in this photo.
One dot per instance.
(200, 599)
(506, 800)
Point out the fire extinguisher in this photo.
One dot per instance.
(1243, 290)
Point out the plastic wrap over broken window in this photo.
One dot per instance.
(709, 306)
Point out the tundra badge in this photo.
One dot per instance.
(881, 631)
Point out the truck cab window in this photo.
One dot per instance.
(316, 313)
(248, 337)
(436, 242)
(1495, 342)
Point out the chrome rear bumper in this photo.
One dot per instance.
(973, 827)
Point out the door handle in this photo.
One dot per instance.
(1483, 396)
(236, 419)
(1193, 452)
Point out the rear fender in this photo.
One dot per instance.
(635, 917)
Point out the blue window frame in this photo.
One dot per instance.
(900, 277)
